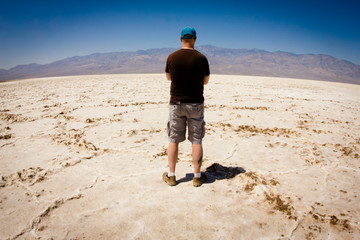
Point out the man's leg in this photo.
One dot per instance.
(169, 177)
(173, 150)
(197, 155)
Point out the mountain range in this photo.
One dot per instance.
(252, 62)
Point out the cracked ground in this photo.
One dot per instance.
(82, 158)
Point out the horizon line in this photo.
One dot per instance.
(205, 45)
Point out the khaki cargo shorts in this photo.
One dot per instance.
(186, 114)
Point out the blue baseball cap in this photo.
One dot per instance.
(188, 33)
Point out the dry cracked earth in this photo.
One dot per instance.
(82, 158)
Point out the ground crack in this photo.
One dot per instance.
(56, 204)
(299, 222)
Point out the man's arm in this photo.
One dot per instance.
(206, 79)
(168, 76)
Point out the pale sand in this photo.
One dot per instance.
(82, 158)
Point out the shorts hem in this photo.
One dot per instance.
(196, 141)
(175, 140)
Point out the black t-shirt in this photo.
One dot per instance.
(187, 68)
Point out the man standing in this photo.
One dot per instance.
(188, 70)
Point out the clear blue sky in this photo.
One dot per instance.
(43, 31)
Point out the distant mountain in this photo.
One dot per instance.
(222, 61)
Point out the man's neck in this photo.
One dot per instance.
(187, 46)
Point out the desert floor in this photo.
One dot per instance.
(82, 158)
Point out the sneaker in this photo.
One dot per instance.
(197, 182)
(171, 181)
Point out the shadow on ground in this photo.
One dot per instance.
(215, 172)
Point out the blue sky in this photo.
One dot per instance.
(38, 31)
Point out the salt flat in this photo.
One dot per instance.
(82, 157)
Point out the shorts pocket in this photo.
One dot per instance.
(203, 129)
(168, 128)
(197, 130)
(196, 111)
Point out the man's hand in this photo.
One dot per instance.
(206, 79)
(168, 76)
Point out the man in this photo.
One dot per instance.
(188, 70)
